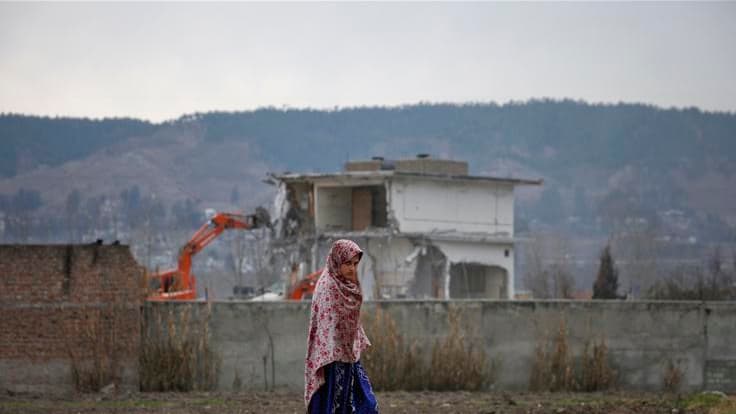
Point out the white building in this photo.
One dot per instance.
(428, 229)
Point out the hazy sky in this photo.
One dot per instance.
(159, 61)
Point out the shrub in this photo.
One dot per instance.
(552, 367)
(672, 377)
(553, 370)
(175, 353)
(455, 362)
(391, 362)
(597, 374)
(93, 350)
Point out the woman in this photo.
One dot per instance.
(334, 380)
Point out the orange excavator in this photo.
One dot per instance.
(304, 289)
(180, 283)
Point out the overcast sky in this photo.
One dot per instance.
(159, 61)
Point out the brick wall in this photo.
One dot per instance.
(70, 317)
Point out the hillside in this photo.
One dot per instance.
(604, 162)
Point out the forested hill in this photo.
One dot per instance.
(640, 158)
(549, 135)
(30, 141)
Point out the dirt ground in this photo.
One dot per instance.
(389, 403)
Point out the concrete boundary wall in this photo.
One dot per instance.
(264, 343)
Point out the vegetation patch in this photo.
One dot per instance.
(553, 368)
(94, 349)
(672, 377)
(176, 353)
(713, 402)
(455, 362)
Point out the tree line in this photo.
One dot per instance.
(549, 134)
(31, 141)
(85, 219)
(708, 279)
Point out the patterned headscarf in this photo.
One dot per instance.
(343, 251)
(335, 332)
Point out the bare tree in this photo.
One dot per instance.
(548, 267)
(705, 281)
(250, 257)
(147, 228)
(636, 255)
(535, 278)
(72, 211)
(562, 279)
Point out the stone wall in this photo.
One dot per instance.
(70, 317)
(643, 338)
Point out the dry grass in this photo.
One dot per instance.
(539, 378)
(400, 402)
(175, 353)
(672, 378)
(597, 374)
(391, 361)
(93, 350)
(97, 337)
(727, 406)
(709, 402)
(237, 381)
(553, 368)
(455, 362)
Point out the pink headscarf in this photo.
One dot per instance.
(335, 332)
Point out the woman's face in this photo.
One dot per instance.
(349, 269)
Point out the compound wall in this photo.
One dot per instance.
(71, 312)
(261, 344)
(70, 317)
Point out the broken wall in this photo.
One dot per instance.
(396, 267)
(69, 313)
(387, 270)
(294, 210)
(430, 273)
(491, 254)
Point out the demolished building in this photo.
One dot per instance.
(427, 227)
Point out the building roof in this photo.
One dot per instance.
(453, 235)
(381, 174)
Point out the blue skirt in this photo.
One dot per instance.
(346, 391)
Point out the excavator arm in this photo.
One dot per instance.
(304, 289)
(180, 283)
